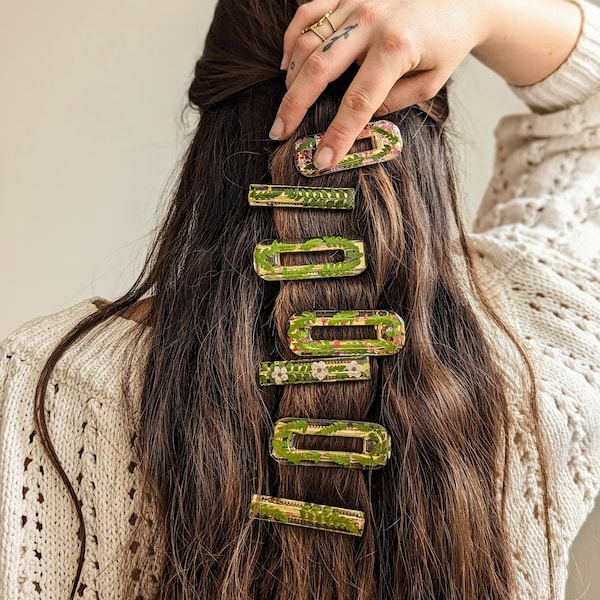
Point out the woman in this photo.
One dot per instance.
(134, 452)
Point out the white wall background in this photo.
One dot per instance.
(91, 101)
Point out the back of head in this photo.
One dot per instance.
(242, 49)
(433, 528)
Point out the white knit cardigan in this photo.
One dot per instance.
(538, 239)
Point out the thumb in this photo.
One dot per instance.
(413, 88)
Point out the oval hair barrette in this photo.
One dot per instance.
(268, 257)
(374, 454)
(388, 328)
(386, 144)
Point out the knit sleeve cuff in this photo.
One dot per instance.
(577, 78)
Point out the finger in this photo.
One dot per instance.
(324, 65)
(310, 41)
(378, 74)
(306, 15)
(419, 87)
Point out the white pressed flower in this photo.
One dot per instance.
(353, 369)
(280, 374)
(319, 370)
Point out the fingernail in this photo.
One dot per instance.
(284, 62)
(323, 157)
(277, 129)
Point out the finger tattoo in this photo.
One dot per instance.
(345, 34)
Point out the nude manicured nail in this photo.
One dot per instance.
(277, 129)
(323, 157)
(284, 62)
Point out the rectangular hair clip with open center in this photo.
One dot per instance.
(327, 370)
(375, 452)
(388, 328)
(267, 259)
(307, 514)
(386, 144)
(285, 196)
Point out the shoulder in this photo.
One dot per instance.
(95, 361)
(37, 337)
(91, 411)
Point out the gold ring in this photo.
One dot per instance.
(321, 21)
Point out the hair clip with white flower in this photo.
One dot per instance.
(327, 370)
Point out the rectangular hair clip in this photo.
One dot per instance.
(386, 143)
(284, 196)
(328, 370)
(267, 259)
(307, 514)
(375, 452)
(388, 328)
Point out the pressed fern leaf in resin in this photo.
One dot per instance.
(307, 514)
(267, 259)
(388, 329)
(376, 443)
(386, 143)
(281, 196)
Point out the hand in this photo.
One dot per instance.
(407, 50)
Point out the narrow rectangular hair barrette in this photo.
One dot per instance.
(386, 144)
(307, 514)
(326, 370)
(285, 196)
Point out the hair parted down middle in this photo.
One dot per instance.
(434, 526)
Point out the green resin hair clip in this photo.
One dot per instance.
(284, 196)
(307, 514)
(328, 370)
(388, 326)
(267, 259)
(376, 443)
(386, 142)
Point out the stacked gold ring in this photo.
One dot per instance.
(321, 21)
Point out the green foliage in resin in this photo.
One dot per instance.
(267, 259)
(389, 330)
(387, 145)
(320, 514)
(376, 443)
(329, 370)
(267, 510)
(301, 197)
(307, 514)
(353, 161)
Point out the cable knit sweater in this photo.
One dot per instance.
(538, 240)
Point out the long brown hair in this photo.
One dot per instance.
(434, 526)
